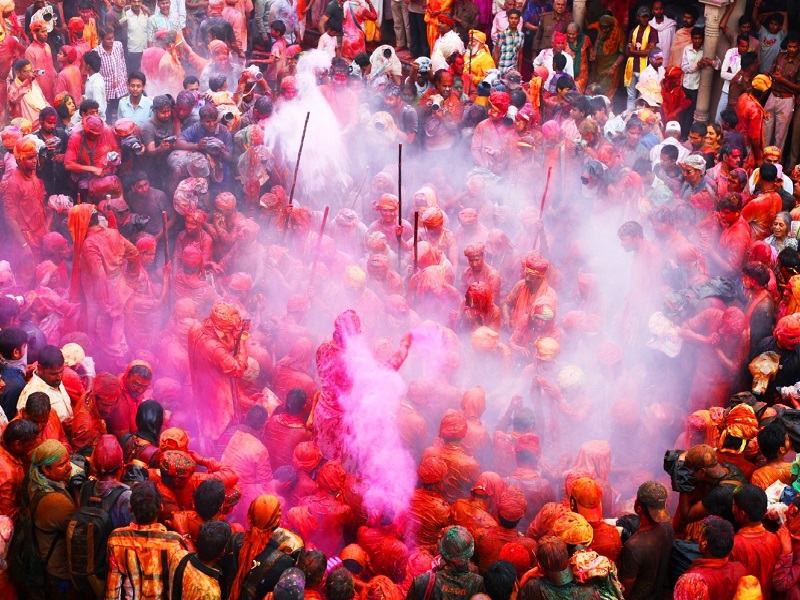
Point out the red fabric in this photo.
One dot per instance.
(332, 515)
(462, 470)
(760, 212)
(247, 456)
(24, 206)
(428, 515)
(107, 142)
(489, 543)
(87, 425)
(283, 433)
(470, 514)
(758, 550)
(12, 473)
(606, 541)
(751, 123)
(537, 490)
(720, 575)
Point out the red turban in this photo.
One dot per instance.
(146, 242)
(512, 505)
(491, 484)
(38, 24)
(176, 463)
(787, 331)
(107, 456)
(480, 294)
(173, 438)
(468, 216)
(387, 202)
(225, 201)
(673, 72)
(53, 243)
(529, 442)
(289, 84)
(302, 217)
(432, 470)
(473, 402)
(93, 125)
(106, 385)
(191, 256)
(536, 264)
(446, 19)
(306, 456)
(300, 520)
(225, 316)
(432, 217)
(240, 282)
(474, 250)
(70, 53)
(124, 127)
(331, 477)
(196, 216)
(559, 38)
(500, 101)
(453, 425)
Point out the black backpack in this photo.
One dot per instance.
(28, 568)
(87, 539)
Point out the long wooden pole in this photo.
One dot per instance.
(399, 207)
(319, 246)
(541, 207)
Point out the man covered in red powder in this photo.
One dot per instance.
(428, 512)
(93, 409)
(586, 499)
(518, 305)
(388, 205)
(489, 542)
(330, 512)
(285, 430)
(462, 469)
(477, 442)
(478, 270)
(217, 356)
(536, 488)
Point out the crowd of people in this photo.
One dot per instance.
(285, 318)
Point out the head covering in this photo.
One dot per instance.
(512, 505)
(124, 127)
(38, 24)
(588, 496)
(306, 456)
(474, 250)
(93, 125)
(46, 454)
(290, 586)
(174, 438)
(761, 83)
(477, 35)
(772, 152)
(740, 422)
(9, 135)
(331, 477)
(500, 101)
(73, 354)
(263, 516)
(446, 19)
(535, 264)
(107, 455)
(76, 25)
(748, 588)
(453, 425)
(573, 529)
(225, 201)
(456, 544)
(484, 338)
(354, 277)
(225, 317)
(643, 11)
(653, 495)
(787, 331)
(177, 463)
(300, 520)
(264, 513)
(703, 457)
(217, 47)
(432, 217)
(694, 161)
(24, 148)
(70, 53)
(468, 216)
(473, 402)
(431, 470)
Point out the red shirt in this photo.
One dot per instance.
(24, 206)
(758, 550)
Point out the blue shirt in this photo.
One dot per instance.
(139, 114)
(15, 383)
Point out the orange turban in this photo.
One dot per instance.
(512, 505)
(173, 438)
(573, 529)
(331, 476)
(388, 202)
(264, 512)
(453, 425)
(431, 470)
(300, 520)
(24, 148)
(306, 456)
(432, 217)
(225, 316)
(741, 422)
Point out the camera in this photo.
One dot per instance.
(170, 140)
(436, 102)
(39, 72)
(112, 157)
(511, 115)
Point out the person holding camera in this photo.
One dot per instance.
(41, 57)
(441, 112)
(51, 166)
(25, 96)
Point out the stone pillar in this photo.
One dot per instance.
(713, 14)
(579, 12)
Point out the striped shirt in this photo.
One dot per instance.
(114, 70)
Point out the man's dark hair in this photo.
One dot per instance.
(698, 31)
(793, 37)
(12, 338)
(278, 26)
(20, 64)
(596, 104)
(87, 105)
(560, 62)
(772, 438)
(630, 229)
(523, 421)
(216, 82)
(256, 417)
(103, 32)
(263, 106)
(518, 99)
(742, 38)
(132, 179)
(662, 214)
(581, 104)
(209, 111)
(145, 502)
(768, 172)
(748, 60)
(340, 585)
(730, 201)
(718, 533)
(499, 580)
(789, 258)
(527, 458)
(393, 91)
(38, 403)
(50, 357)
(514, 11)
(162, 101)
(692, 12)
(47, 112)
(295, 401)
(9, 309)
(19, 430)
(730, 118)
(313, 565)
(633, 122)
(137, 75)
(142, 371)
(565, 82)
(670, 151)
(209, 498)
(698, 127)
(93, 61)
(759, 273)
(212, 540)
(189, 80)
(744, 20)
(775, 18)
(751, 500)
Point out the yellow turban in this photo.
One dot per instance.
(477, 35)
(762, 83)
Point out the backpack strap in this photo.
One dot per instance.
(263, 563)
(165, 573)
(35, 500)
(430, 586)
(177, 580)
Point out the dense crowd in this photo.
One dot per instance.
(295, 303)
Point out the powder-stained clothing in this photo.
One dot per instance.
(50, 518)
(283, 433)
(765, 476)
(462, 470)
(537, 490)
(199, 582)
(138, 561)
(645, 559)
(24, 206)
(758, 550)
(428, 515)
(450, 584)
(718, 579)
(12, 473)
(249, 458)
(606, 541)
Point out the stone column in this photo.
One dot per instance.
(579, 12)
(713, 14)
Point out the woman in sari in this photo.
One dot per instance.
(579, 49)
(609, 55)
(355, 15)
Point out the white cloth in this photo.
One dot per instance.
(655, 153)
(545, 58)
(178, 7)
(651, 74)
(327, 43)
(59, 399)
(691, 72)
(96, 90)
(788, 186)
(443, 48)
(731, 65)
(666, 33)
(137, 31)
